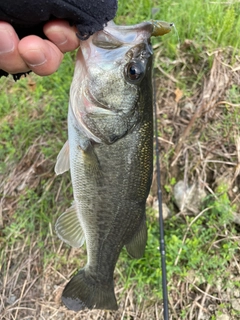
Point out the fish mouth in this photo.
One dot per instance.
(114, 36)
(133, 33)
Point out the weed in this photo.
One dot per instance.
(201, 251)
(212, 23)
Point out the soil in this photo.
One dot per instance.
(197, 145)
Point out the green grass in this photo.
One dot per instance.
(31, 111)
(35, 111)
(182, 257)
(211, 24)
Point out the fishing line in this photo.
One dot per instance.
(161, 224)
(159, 196)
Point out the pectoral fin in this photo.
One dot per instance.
(137, 244)
(91, 163)
(63, 161)
(69, 229)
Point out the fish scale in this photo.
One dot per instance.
(110, 156)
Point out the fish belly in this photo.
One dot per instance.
(110, 205)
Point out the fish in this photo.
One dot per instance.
(110, 156)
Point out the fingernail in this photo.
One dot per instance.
(37, 58)
(6, 43)
(60, 38)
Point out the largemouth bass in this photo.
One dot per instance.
(110, 156)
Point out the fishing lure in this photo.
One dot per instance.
(160, 27)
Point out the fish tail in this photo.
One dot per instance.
(83, 291)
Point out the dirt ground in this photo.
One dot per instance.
(197, 145)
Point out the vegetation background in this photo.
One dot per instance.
(197, 82)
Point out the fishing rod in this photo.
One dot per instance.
(161, 224)
(159, 196)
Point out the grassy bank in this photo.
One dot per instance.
(197, 86)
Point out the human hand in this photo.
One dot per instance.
(34, 53)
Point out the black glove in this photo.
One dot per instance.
(28, 16)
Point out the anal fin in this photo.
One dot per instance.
(69, 229)
(138, 242)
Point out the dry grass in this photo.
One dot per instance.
(195, 136)
(198, 145)
(33, 292)
(201, 147)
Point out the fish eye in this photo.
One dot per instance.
(134, 71)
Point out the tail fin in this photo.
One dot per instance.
(83, 292)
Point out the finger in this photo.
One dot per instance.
(41, 56)
(10, 59)
(62, 34)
